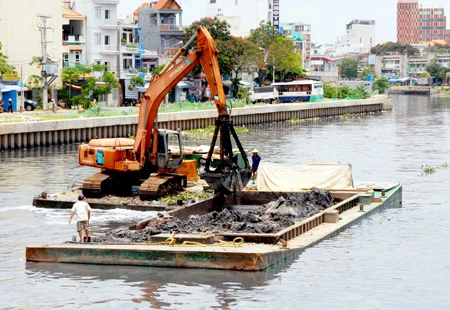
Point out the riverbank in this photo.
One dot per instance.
(29, 134)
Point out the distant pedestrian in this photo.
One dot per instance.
(10, 109)
(255, 163)
(83, 211)
(54, 107)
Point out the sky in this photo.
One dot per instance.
(328, 18)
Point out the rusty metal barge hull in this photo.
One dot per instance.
(249, 256)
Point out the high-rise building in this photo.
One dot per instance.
(432, 24)
(408, 21)
(418, 25)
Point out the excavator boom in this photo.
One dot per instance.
(126, 162)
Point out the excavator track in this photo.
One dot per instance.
(95, 186)
(160, 185)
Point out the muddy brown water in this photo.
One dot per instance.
(395, 259)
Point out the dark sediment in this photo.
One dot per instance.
(269, 218)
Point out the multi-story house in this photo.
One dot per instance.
(74, 38)
(130, 61)
(161, 25)
(26, 30)
(102, 42)
(300, 34)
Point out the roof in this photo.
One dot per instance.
(166, 4)
(156, 5)
(71, 14)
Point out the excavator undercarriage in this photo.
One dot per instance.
(156, 186)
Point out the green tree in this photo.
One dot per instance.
(282, 56)
(425, 75)
(157, 70)
(263, 36)
(381, 84)
(5, 68)
(70, 75)
(349, 68)
(220, 32)
(136, 81)
(365, 72)
(361, 91)
(436, 71)
(391, 47)
(438, 48)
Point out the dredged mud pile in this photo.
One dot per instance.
(269, 218)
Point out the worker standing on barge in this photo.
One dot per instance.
(255, 164)
(83, 211)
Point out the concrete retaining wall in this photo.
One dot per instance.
(44, 133)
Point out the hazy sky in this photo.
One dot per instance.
(327, 17)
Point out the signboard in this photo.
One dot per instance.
(11, 77)
(276, 16)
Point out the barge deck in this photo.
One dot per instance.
(232, 255)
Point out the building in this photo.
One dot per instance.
(432, 24)
(300, 34)
(24, 24)
(408, 21)
(74, 38)
(242, 15)
(161, 25)
(417, 25)
(361, 32)
(102, 41)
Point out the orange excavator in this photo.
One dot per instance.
(146, 161)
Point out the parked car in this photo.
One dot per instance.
(130, 102)
(30, 105)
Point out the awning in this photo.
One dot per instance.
(75, 48)
(7, 88)
(402, 80)
(393, 80)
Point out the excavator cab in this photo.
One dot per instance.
(169, 154)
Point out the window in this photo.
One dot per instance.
(66, 57)
(212, 1)
(77, 56)
(107, 14)
(98, 13)
(98, 38)
(106, 40)
(106, 65)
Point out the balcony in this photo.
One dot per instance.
(108, 24)
(108, 50)
(74, 40)
(170, 29)
(129, 47)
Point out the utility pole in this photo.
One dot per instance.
(43, 29)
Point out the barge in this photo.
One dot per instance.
(229, 251)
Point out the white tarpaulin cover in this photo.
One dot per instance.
(291, 178)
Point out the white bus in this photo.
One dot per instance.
(298, 90)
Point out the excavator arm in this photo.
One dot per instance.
(227, 177)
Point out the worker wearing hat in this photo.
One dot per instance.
(255, 163)
(83, 211)
(10, 105)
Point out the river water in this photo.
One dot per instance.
(398, 258)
